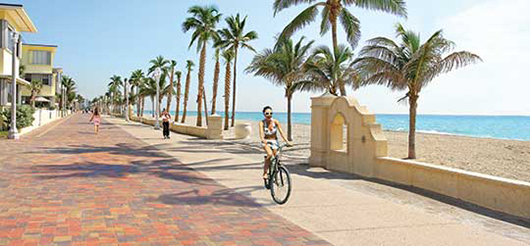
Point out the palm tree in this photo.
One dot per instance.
(410, 66)
(69, 85)
(171, 71)
(203, 21)
(34, 87)
(147, 89)
(284, 66)
(228, 56)
(215, 79)
(333, 10)
(233, 38)
(177, 97)
(137, 78)
(189, 67)
(331, 71)
(114, 84)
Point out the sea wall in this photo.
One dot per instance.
(346, 138)
(212, 131)
(499, 194)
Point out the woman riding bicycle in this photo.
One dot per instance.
(268, 128)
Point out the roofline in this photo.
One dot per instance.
(11, 5)
(22, 14)
(42, 45)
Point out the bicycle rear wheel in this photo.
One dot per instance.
(281, 185)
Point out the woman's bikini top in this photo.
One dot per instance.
(267, 130)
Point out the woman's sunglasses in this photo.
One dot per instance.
(268, 113)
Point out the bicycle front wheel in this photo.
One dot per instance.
(281, 185)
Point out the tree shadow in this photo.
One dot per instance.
(163, 168)
(223, 197)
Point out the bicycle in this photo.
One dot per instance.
(279, 179)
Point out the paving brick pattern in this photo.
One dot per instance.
(63, 185)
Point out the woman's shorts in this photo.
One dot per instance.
(273, 143)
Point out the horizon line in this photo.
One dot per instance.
(513, 115)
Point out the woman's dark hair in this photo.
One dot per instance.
(265, 108)
(96, 112)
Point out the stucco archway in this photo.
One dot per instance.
(364, 140)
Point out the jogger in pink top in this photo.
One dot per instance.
(96, 118)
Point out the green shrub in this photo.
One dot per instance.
(24, 116)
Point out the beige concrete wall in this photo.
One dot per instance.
(504, 195)
(366, 155)
(212, 131)
(364, 137)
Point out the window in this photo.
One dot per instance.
(40, 57)
(46, 79)
(10, 43)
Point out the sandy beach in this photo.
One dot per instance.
(498, 157)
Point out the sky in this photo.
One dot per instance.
(98, 39)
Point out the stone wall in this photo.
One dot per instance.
(212, 131)
(346, 138)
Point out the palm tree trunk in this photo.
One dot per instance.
(205, 105)
(142, 108)
(342, 89)
(32, 99)
(138, 101)
(177, 99)
(153, 106)
(186, 95)
(333, 20)
(234, 88)
(289, 123)
(227, 93)
(201, 84)
(170, 91)
(413, 101)
(215, 84)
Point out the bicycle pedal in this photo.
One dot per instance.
(267, 185)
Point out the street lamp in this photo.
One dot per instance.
(156, 75)
(126, 102)
(13, 132)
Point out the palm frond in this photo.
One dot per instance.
(303, 19)
(352, 26)
(280, 5)
(396, 7)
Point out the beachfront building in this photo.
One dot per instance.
(37, 60)
(13, 19)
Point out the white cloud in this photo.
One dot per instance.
(499, 32)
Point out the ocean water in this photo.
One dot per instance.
(501, 127)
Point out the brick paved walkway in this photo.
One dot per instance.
(63, 185)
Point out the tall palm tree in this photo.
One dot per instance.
(178, 74)
(70, 87)
(34, 87)
(228, 56)
(410, 66)
(203, 22)
(331, 71)
(284, 66)
(233, 38)
(147, 89)
(215, 78)
(189, 67)
(171, 72)
(114, 85)
(334, 10)
(137, 78)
